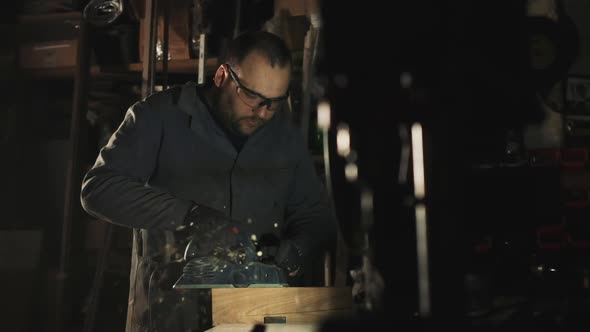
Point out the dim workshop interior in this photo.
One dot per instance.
(450, 138)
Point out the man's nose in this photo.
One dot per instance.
(261, 111)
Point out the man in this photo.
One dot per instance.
(222, 168)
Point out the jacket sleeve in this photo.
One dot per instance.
(310, 219)
(116, 188)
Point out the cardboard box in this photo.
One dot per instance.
(178, 31)
(48, 41)
(48, 54)
(297, 7)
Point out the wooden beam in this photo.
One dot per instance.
(73, 177)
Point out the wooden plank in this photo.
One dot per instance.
(267, 328)
(300, 305)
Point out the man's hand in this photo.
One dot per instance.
(212, 233)
(289, 258)
(368, 286)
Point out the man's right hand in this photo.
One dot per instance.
(211, 232)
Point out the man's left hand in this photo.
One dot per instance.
(289, 258)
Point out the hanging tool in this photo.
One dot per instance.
(103, 12)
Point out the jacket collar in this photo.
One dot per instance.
(192, 103)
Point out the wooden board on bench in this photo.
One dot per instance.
(267, 328)
(301, 305)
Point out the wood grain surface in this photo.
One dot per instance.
(300, 305)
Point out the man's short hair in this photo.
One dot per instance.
(266, 43)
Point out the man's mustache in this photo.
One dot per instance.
(258, 121)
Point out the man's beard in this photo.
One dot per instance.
(236, 125)
(227, 118)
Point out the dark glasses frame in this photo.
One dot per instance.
(265, 101)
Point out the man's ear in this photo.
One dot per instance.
(220, 76)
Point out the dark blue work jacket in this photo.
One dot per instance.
(170, 152)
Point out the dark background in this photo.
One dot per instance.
(508, 238)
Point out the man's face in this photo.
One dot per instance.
(253, 80)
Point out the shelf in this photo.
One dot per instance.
(127, 72)
(58, 72)
(188, 66)
(38, 18)
(133, 71)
